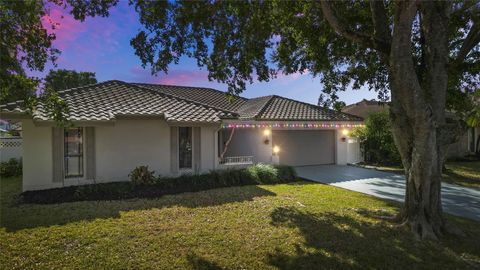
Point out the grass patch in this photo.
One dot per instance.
(463, 173)
(297, 225)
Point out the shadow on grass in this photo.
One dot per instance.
(453, 177)
(199, 263)
(15, 217)
(335, 241)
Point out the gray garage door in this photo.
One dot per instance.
(305, 147)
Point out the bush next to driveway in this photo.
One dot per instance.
(258, 174)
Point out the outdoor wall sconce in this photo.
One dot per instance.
(276, 149)
(345, 133)
(266, 133)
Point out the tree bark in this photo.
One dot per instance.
(418, 112)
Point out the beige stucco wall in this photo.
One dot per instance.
(37, 157)
(131, 143)
(250, 142)
(119, 148)
(208, 150)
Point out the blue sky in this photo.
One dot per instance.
(102, 45)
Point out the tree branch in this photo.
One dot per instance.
(472, 40)
(382, 35)
(357, 37)
(354, 36)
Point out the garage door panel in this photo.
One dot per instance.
(305, 147)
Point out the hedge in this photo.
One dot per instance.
(258, 174)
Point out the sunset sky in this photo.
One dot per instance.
(102, 45)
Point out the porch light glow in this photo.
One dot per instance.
(266, 132)
(276, 149)
(345, 132)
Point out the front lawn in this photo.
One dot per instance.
(463, 173)
(287, 226)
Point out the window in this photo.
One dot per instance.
(185, 147)
(73, 144)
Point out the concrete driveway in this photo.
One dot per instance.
(456, 200)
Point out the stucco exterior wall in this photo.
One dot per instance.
(119, 148)
(208, 149)
(131, 143)
(250, 142)
(37, 157)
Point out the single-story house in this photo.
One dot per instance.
(118, 126)
(365, 107)
(468, 143)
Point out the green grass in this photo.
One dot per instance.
(463, 173)
(286, 226)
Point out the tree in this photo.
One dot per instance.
(64, 79)
(411, 50)
(26, 44)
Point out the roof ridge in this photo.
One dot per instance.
(88, 85)
(194, 87)
(318, 106)
(179, 98)
(265, 105)
(183, 98)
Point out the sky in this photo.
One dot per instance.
(102, 45)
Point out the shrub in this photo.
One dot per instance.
(286, 173)
(142, 176)
(144, 185)
(264, 173)
(10, 168)
(376, 140)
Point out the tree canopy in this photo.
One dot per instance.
(64, 79)
(26, 44)
(423, 54)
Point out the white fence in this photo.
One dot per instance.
(10, 147)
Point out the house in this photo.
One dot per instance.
(173, 129)
(468, 144)
(366, 107)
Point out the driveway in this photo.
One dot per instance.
(456, 200)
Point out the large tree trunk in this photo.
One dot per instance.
(418, 111)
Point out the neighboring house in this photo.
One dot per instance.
(469, 143)
(174, 130)
(366, 107)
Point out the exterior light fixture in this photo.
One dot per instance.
(266, 133)
(276, 149)
(345, 132)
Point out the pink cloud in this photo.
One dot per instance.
(64, 26)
